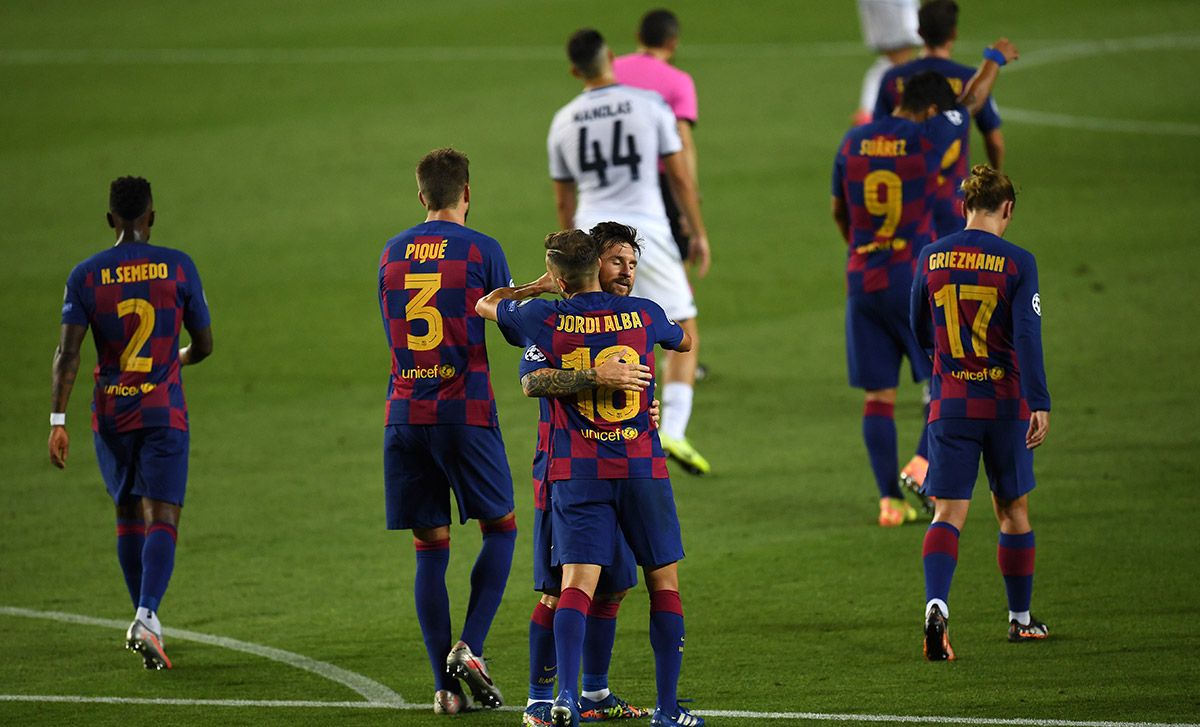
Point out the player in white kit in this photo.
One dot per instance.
(889, 28)
(604, 149)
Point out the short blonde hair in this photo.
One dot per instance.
(986, 189)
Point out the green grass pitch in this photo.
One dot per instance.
(280, 138)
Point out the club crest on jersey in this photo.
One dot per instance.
(533, 353)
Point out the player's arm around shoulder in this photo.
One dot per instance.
(487, 306)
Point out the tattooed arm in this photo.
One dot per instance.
(66, 366)
(612, 374)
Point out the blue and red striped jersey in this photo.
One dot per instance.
(886, 173)
(975, 303)
(600, 433)
(136, 297)
(948, 216)
(430, 277)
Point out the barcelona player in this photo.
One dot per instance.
(442, 437)
(607, 469)
(619, 249)
(884, 181)
(136, 297)
(605, 147)
(939, 29)
(975, 304)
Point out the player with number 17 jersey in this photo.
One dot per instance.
(608, 140)
(601, 433)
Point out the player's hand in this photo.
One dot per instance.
(59, 444)
(654, 410)
(698, 254)
(1005, 46)
(1039, 426)
(685, 227)
(616, 374)
(546, 284)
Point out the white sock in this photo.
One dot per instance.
(530, 702)
(1021, 617)
(676, 409)
(940, 604)
(597, 695)
(871, 81)
(149, 618)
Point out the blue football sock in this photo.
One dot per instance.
(598, 644)
(666, 639)
(542, 665)
(131, 539)
(879, 433)
(940, 555)
(488, 578)
(570, 621)
(158, 561)
(433, 605)
(1015, 554)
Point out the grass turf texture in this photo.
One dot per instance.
(283, 174)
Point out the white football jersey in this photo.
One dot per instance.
(608, 141)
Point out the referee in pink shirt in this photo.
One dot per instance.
(650, 68)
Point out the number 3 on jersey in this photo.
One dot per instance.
(418, 309)
(596, 162)
(603, 400)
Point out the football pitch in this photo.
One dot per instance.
(280, 138)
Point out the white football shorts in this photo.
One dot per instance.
(660, 274)
(889, 24)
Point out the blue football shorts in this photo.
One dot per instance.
(423, 465)
(877, 337)
(547, 577)
(955, 446)
(591, 517)
(149, 463)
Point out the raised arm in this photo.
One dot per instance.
(977, 90)
(993, 141)
(62, 380)
(487, 305)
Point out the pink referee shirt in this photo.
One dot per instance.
(642, 70)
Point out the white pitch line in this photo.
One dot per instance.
(797, 716)
(370, 689)
(1092, 123)
(1082, 49)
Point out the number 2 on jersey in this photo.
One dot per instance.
(596, 162)
(130, 360)
(947, 298)
(603, 399)
(427, 285)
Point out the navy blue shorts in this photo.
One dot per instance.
(592, 517)
(877, 337)
(955, 446)
(547, 578)
(422, 465)
(149, 463)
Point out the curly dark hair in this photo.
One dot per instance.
(129, 197)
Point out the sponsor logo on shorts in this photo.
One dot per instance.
(995, 373)
(625, 434)
(445, 371)
(125, 390)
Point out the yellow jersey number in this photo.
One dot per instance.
(890, 204)
(948, 297)
(130, 360)
(602, 400)
(418, 309)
